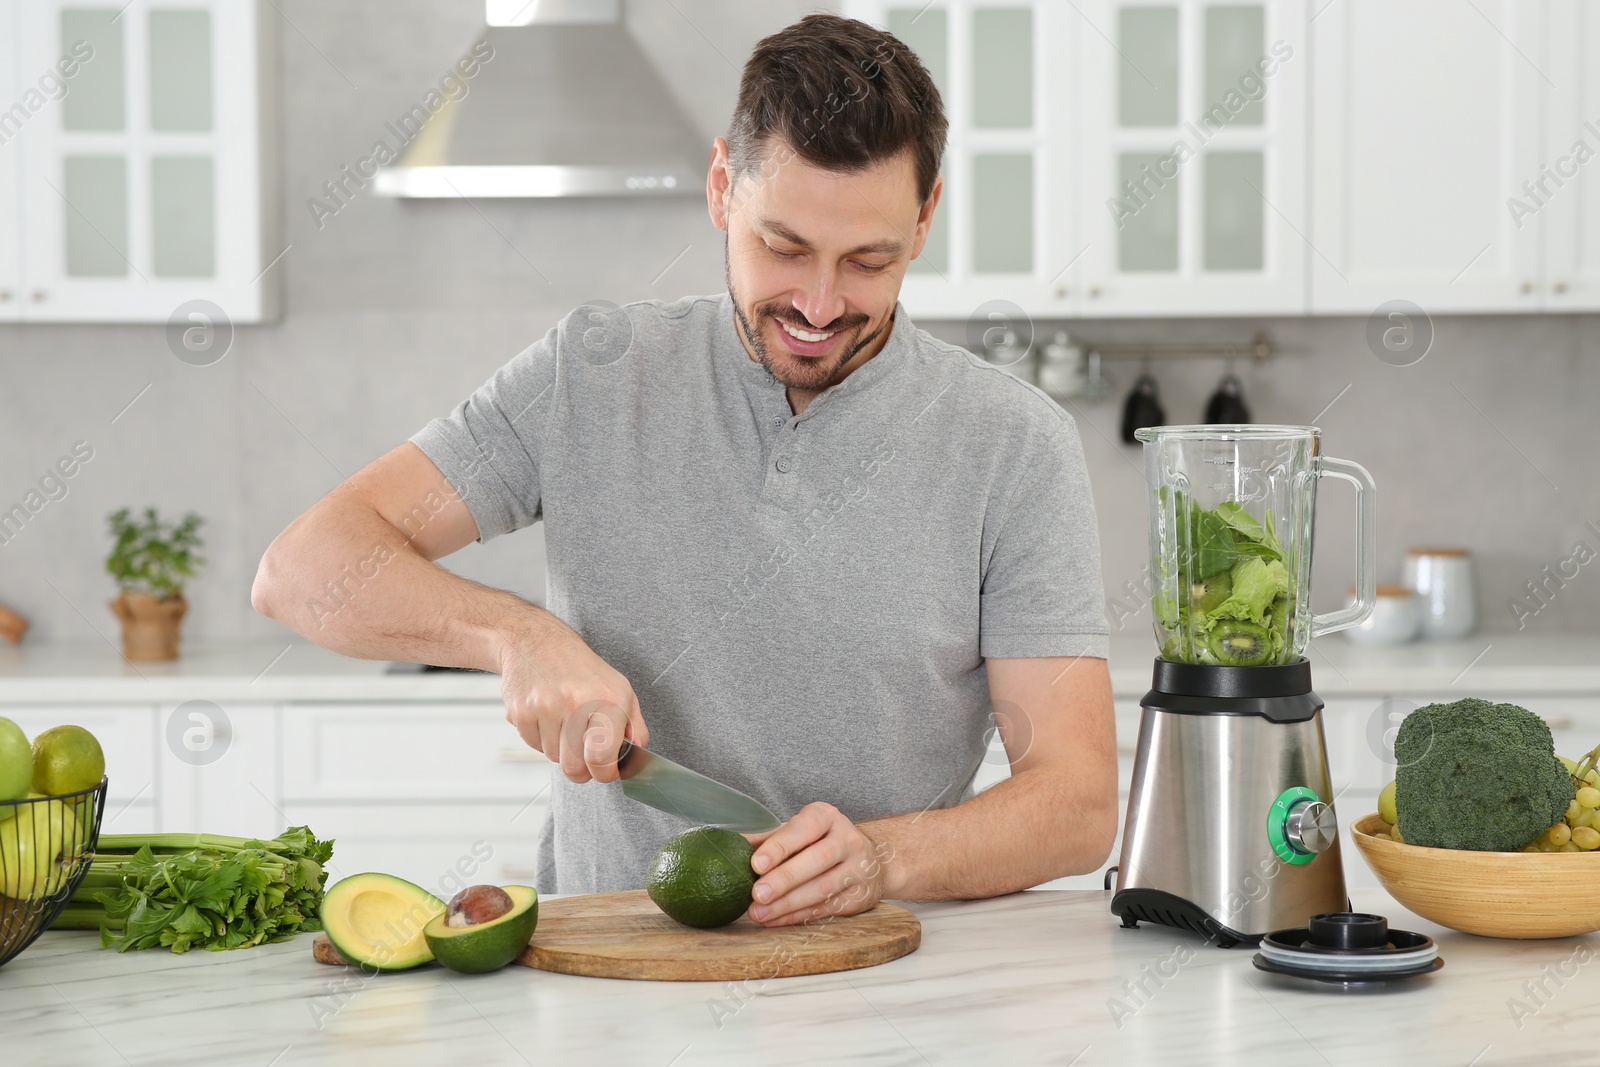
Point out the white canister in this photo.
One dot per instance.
(1395, 618)
(1446, 590)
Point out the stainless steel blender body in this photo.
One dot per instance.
(1199, 850)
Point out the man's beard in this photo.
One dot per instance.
(810, 376)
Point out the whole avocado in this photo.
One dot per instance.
(1476, 775)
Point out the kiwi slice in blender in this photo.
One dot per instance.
(1236, 643)
(1207, 594)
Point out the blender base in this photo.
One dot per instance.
(1134, 906)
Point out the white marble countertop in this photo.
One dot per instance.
(1492, 663)
(1039, 977)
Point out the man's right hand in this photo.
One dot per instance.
(569, 703)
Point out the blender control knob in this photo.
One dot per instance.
(1311, 826)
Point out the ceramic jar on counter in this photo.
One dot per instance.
(1446, 591)
(1396, 618)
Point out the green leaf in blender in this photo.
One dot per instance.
(1256, 585)
(1231, 569)
(1245, 524)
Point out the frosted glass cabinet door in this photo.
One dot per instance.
(144, 184)
(1006, 228)
(1192, 165)
(11, 130)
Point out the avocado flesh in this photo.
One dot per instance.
(376, 921)
(486, 946)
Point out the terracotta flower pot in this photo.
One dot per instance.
(150, 624)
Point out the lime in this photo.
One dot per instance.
(65, 760)
(16, 764)
(702, 877)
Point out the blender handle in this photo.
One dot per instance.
(1366, 546)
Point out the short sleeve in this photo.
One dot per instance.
(1041, 593)
(490, 446)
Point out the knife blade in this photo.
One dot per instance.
(656, 781)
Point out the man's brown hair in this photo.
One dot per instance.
(843, 96)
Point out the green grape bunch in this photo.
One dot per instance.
(1579, 828)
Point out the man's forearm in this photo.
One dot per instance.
(1025, 830)
(345, 578)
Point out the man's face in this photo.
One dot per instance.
(815, 259)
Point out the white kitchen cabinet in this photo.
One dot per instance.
(1122, 221)
(219, 769)
(1191, 171)
(1006, 228)
(1568, 206)
(146, 186)
(11, 122)
(1426, 119)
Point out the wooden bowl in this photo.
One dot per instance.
(1495, 894)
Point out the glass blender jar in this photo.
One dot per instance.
(1232, 510)
(1231, 830)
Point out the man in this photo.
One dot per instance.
(794, 542)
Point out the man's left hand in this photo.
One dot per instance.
(817, 864)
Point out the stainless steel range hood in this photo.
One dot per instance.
(568, 105)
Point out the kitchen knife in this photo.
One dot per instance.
(673, 788)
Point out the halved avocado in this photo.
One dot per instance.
(486, 946)
(376, 921)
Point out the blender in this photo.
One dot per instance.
(1231, 830)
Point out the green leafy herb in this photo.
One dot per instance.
(183, 891)
(152, 556)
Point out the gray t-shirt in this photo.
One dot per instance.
(803, 603)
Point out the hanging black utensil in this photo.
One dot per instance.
(1142, 409)
(1227, 406)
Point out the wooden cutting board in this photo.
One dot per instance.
(624, 935)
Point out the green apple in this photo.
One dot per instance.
(16, 763)
(38, 848)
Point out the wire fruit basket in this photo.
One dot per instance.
(46, 844)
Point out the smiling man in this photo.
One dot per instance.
(794, 542)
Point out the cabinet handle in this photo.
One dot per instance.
(522, 755)
(5, 296)
(1094, 292)
(1560, 722)
(1560, 287)
(40, 296)
(1061, 292)
(519, 870)
(1527, 287)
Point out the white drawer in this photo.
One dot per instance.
(441, 847)
(127, 734)
(407, 752)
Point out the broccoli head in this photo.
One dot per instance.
(1476, 775)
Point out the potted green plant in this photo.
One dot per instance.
(150, 559)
